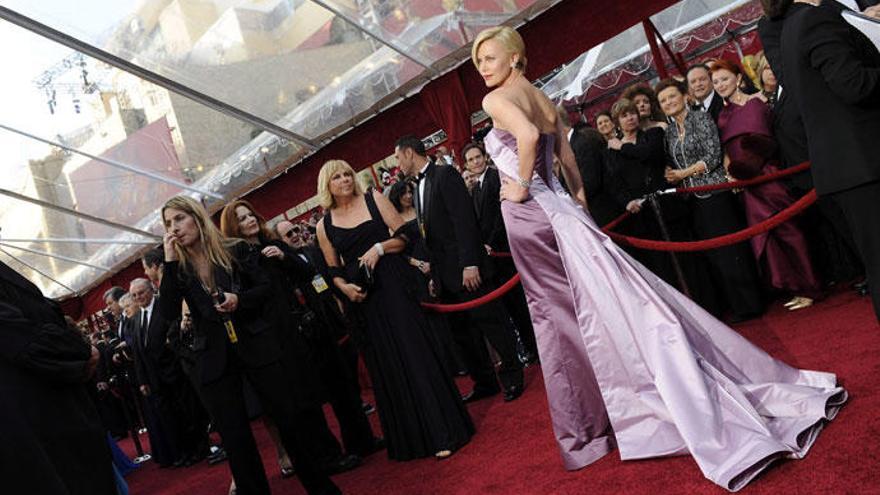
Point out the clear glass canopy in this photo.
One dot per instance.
(628, 53)
(92, 151)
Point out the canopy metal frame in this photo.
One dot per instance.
(36, 270)
(114, 163)
(84, 216)
(57, 36)
(56, 256)
(81, 240)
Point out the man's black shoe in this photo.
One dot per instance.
(477, 394)
(217, 457)
(344, 463)
(513, 393)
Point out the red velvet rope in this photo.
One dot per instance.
(706, 244)
(737, 184)
(615, 222)
(495, 294)
(724, 240)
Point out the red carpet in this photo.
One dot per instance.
(514, 451)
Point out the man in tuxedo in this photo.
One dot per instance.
(51, 435)
(157, 373)
(487, 204)
(702, 92)
(458, 261)
(832, 71)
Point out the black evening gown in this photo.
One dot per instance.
(419, 405)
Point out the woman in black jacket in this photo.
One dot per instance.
(226, 291)
(311, 354)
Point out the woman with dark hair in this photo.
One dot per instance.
(313, 362)
(745, 126)
(419, 406)
(695, 152)
(401, 197)
(234, 338)
(605, 125)
(645, 100)
(416, 254)
(637, 163)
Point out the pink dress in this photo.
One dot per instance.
(629, 361)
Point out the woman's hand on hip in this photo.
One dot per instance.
(513, 191)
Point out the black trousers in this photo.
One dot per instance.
(163, 404)
(471, 328)
(194, 421)
(733, 268)
(861, 206)
(343, 393)
(225, 402)
(516, 305)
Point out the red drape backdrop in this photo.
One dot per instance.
(444, 100)
(555, 37)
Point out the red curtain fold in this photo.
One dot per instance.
(444, 100)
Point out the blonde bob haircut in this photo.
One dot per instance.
(509, 39)
(212, 241)
(331, 168)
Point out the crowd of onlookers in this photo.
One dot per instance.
(250, 320)
(712, 126)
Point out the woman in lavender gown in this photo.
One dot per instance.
(744, 126)
(627, 360)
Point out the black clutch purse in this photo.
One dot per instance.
(363, 278)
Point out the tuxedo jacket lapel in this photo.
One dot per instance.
(430, 182)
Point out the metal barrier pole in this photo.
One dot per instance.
(664, 232)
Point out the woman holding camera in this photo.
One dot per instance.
(233, 339)
(419, 405)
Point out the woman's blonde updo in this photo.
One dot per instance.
(509, 39)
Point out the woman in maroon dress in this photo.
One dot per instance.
(745, 128)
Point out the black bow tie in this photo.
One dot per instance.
(420, 176)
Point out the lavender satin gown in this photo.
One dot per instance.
(628, 360)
